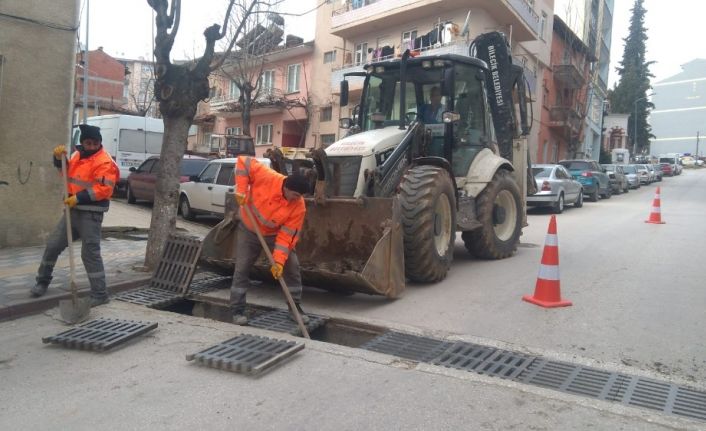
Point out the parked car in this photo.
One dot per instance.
(667, 169)
(656, 172)
(616, 176)
(592, 177)
(631, 175)
(555, 187)
(644, 174)
(142, 181)
(205, 193)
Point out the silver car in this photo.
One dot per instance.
(644, 174)
(656, 172)
(631, 174)
(555, 187)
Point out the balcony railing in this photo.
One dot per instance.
(565, 116)
(268, 98)
(527, 13)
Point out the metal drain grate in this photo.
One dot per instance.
(100, 334)
(280, 321)
(149, 297)
(629, 390)
(205, 285)
(248, 354)
(177, 264)
(483, 360)
(412, 347)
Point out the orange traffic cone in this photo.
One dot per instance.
(547, 292)
(656, 214)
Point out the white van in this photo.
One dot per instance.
(674, 160)
(620, 156)
(129, 139)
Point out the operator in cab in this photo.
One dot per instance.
(278, 208)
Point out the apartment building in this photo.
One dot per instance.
(138, 91)
(107, 90)
(280, 115)
(679, 118)
(592, 21)
(350, 33)
(565, 91)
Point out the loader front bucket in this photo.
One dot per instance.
(350, 245)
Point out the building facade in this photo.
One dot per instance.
(679, 118)
(37, 60)
(565, 93)
(592, 21)
(352, 33)
(107, 90)
(280, 115)
(616, 132)
(138, 88)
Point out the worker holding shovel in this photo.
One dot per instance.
(92, 175)
(271, 206)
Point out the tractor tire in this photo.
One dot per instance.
(428, 204)
(499, 209)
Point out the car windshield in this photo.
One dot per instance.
(629, 169)
(191, 167)
(542, 172)
(576, 166)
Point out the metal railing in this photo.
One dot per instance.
(527, 13)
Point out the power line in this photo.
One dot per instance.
(304, 13)
(38, 22)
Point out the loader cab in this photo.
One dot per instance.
(462, 128)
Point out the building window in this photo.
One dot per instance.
(267, 81)
(542, 25)
(361, 53)
(234, 90)
(326, 114)
(327, 140)
(293, 77)
(233, 131)
(329, 57)
(263, 135)
(408, 36)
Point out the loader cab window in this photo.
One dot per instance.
(471, 134)
(382, 101)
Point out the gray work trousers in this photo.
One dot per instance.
(247, 250)
(85, 225)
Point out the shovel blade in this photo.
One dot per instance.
(74, 310)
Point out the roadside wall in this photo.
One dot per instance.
(36, 87)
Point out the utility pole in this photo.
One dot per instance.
(697, 145)
(85, 71)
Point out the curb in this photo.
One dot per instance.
(34, 306)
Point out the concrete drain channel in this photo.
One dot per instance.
(629, 390)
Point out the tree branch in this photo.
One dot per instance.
(220, 61)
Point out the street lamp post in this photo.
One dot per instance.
(634, 138)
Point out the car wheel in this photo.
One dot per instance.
(608, 193)
(627, 188)
(558, 207)
(593, 197)
(130, 196)
(185, 208)
(579, 200)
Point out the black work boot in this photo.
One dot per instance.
(239, 317)
(38, 290)
(96, 301)
(305, 318)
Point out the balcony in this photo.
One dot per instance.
(271, 101)
(358, 18)
(568, 73)
(563, 117)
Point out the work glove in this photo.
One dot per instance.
(240, 198)
(59, 150)
(71, 201)
(276, 270)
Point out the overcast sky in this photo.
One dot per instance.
(124, 29)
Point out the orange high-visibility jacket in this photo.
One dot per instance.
(273, 214)
(92, 180)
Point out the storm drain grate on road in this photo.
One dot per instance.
(177, 264)
(280, 321)
(247, 354)
(412, 347)
(483, 360)
(149, 297)
(209, 284)
(629, 390)
(100, 334)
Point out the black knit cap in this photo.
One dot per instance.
(89, 132)
(297, 183)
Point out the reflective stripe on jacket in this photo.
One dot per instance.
(92, 180)
(273, 214)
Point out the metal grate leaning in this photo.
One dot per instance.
(100, 334)
(280, 321)
(412, 347)
(247, 354)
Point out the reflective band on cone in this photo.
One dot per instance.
(547, 291)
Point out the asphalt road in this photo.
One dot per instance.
(637, 288)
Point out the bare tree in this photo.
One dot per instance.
(179, 88)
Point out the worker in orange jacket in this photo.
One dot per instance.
(277, 205)
(92, 176)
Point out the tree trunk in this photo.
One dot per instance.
(247, 102)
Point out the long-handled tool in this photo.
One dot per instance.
(76, 309)
(282, 284)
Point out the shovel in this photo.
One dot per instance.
(282, 284)
(76, 309)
